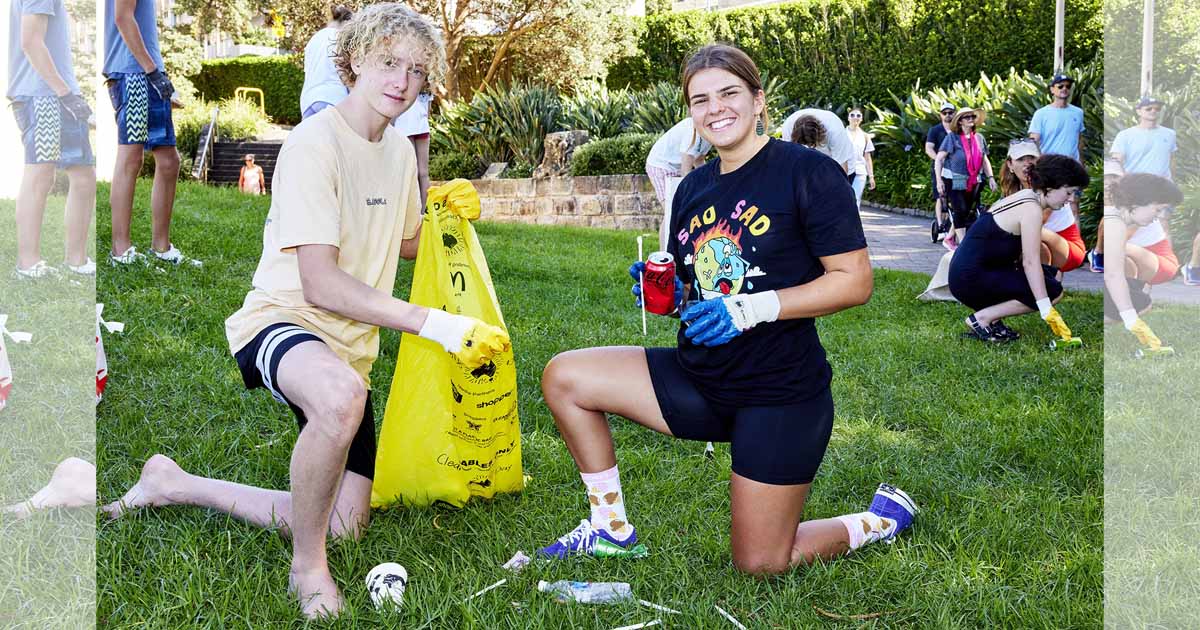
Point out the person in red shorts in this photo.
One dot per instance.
(1062, 243)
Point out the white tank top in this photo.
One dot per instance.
(1060, 219)
(1148, 235)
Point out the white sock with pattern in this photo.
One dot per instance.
(607, 502)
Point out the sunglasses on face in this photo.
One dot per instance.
(947, 112)
(1153, 108)
(1063, 86)
(968, 117)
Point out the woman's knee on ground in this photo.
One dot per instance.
(763, 562)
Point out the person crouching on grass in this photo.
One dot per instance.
(749, 368)
(1062, 243)
(346, 207)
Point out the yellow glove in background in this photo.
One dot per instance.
(458, 196)
(1143, 333)
(1057, 325)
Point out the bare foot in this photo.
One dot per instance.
(73, 484)
(152, 488)
(319, 596)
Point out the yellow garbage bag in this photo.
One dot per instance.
(449, 432)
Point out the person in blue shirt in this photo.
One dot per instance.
(141, 97)
(1058, 128)
(53, 118)
(766, 239)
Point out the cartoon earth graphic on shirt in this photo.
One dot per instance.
(718, 263)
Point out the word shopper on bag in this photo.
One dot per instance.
(450, 430)
(101, 360)
(6, 376)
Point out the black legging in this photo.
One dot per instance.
(962, 203)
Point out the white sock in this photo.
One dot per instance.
(865, 528)
(607, 502)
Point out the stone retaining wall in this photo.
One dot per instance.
(624, 202)
(609, 201)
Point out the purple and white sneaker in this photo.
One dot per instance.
(892, 503)
(584, 540)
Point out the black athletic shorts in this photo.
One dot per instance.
(780, 445)
(259, 363)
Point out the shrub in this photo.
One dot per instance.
(278, 77)
(613, 156)
(861, 51)
(658, 108)
(603, 113)
(517, 171)
(500, 124)
(448, 165)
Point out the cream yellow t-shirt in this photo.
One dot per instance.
(332, 187)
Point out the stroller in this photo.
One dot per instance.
(938, 231)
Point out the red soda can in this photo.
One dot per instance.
(658, 283)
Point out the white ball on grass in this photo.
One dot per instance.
(386, 583)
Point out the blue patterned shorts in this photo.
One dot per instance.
(142, 117)
(51, 135)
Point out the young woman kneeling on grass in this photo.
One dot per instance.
(765, 239)
(997, 269)
(1138, 200)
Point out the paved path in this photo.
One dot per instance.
(899, 241)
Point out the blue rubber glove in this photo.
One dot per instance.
(709, 323)
(636, 270)
(717, 321)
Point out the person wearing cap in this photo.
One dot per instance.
(251, 180)
(1058, 128)
(1150, 148)
(933, 141)
(1136, 199)
(837, 143)
(963, 163)
(1062, 243)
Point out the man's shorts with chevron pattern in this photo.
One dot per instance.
(142, 117)
(51, 135)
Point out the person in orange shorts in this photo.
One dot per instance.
(1062, 243)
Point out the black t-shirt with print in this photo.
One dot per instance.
(760, 228)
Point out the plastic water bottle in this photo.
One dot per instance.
(587, 592)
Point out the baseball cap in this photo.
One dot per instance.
(1059, 78)
(947, 105)
(1024, 146)
(1147, 101)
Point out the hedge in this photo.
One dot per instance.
(278, 77)
(858, 51)
(613, 156)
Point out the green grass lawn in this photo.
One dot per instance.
(1152, 483)
(47, 579)
(1000, 446)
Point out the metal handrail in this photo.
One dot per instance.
(246, 91)
(204, 151)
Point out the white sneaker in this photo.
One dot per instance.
(131, 256)
(39, 269)
(174, 256)
(88, 268)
